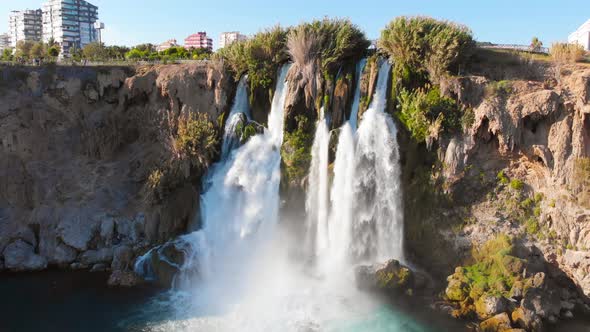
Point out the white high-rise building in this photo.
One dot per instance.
(70, 23)
(25, 25)
(581, 36)
(4, 41)
(230, 37)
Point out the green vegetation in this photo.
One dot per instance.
(502, 177)
(426, 45)
(29, 50)
(147, 52)
(566, 53)
(296, 151)
(425, 113)
(496, 272)
(326, 42)
(245, 131)
(259, 56)
(425, 51)
(499, 88)
(194, 145)
(516, 184)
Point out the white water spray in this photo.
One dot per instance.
(316, 204)
(378, 224)
(354, 111)
(239, 114)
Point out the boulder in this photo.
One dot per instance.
(103, 255)
(489, 305)
(544, 303)
(20, 256)
(100, 267)
(122, 258)
(527, 320)
(77, 231)
(123, 279)
(457, 290)
(391, 276)
(498, 323)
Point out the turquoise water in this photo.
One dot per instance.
(81, 301)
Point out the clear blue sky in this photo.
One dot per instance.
(131, 22)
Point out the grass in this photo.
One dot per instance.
(566, 53)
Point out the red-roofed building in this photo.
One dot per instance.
(198, 40)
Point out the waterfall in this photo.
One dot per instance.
(365, 217)
(239, 114)
(354, 111)
(242, 198)
(341, 198)
(316, 204)
(378, 223)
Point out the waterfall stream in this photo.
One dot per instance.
(239, 114)
(250, 280)
(353, 120)
(365, 218)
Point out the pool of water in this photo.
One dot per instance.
(81, 301)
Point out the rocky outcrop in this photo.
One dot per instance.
(389, 277)
(77, 148)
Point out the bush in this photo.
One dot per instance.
(322, 46)
(502, 177)
(499, 88)
(296, 151)
(566, 53)
(260, 56)
(196, 139)
(516, 184)
(423, 44)
(427, 114)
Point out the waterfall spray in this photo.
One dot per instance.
(354, 111)
(239, 114)
(316, 204)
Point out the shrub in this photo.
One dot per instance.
(322, 46)
(499, 88)
(296, 151)
(566, 53)
(516, 184)
(426, 114)
(532, 226)
(197, 139)
(502, 177)
(260, 56)
(424, 44)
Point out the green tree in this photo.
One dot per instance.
(134, 54)
(7, 54)
(53, 51)
(23, 49)
(94, 51)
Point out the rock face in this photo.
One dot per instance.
(77, 148)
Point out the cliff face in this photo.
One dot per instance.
(77, 148)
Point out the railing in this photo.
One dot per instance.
(516, 47)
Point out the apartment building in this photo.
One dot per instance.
(198, 40)
(4, 41)
(581, 36)
(166, 45)
(70, 23)
(25, 25)
(229, 37)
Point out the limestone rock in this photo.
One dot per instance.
(123, 279)
(122, 258)
(103, 255)
(577, 264)
(498, 323)
(527, 320)
(390, 276)
(20, 256)
(488, 305)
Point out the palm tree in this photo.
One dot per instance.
(536, 44)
